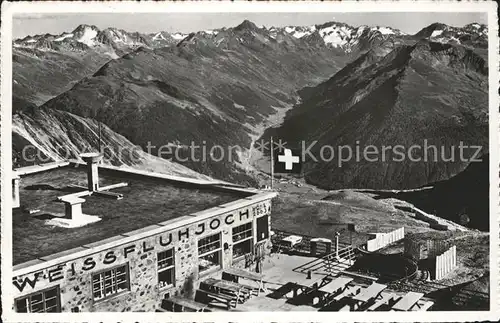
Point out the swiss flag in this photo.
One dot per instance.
(287, 161)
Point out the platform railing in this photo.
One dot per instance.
(330, 264)
(304, 246)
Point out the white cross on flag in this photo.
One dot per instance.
(287, 161)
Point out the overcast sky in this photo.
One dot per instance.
(32, 24)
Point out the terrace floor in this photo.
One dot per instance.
(278, 269)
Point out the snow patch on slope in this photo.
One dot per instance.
(112, 54)
(335, 35)
(360, 30)
(88, 37)
(63, 37)
(158, 36)
(299, 32)
(385, 31)
(178, 36)
(436, 33)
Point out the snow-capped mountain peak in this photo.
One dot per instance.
(472, 34)
(86, 34)
(84, 37)
(386, 30)
(299, 31)
(336, 35)
(341, 35)
(179, 36)
(158, 36)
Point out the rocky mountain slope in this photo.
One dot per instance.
(52, 135)
(39, 75)
(426, 93)
(474, 35)
(47, 65)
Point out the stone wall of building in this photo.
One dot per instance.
(140, 252)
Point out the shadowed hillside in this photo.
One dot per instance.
(427, 94)
(464, 198)
(40, 136)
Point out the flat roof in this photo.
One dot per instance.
(147, 200)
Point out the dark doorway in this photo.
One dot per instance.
(262, 228)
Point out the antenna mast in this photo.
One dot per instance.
(272, 165)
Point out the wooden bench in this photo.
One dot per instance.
(407, 302)
(343, 304)
(179, 304)
(232, 289)
(246, 290)
(253, 290)
(223, 287)
(209, 297)
(385, 301)
(233, 274)
(309, 296)
(342, 297)
(426, 306)
(334, 287)
(284, 291)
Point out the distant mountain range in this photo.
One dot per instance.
(222, 87)
(335, 34)
(70, 56)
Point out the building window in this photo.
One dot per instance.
(209, 252)
(110, 282)
(47, 301)
(242, 240)
(166, 268)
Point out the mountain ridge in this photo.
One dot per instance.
(72, 55)
(327, 30)
(229, 82)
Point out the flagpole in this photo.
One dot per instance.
(100, 137)
(272, 164)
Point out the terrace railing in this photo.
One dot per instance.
(304, 246)
(330, 264)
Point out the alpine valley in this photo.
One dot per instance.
(331, 83)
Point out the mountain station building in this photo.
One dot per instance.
(91, 238)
